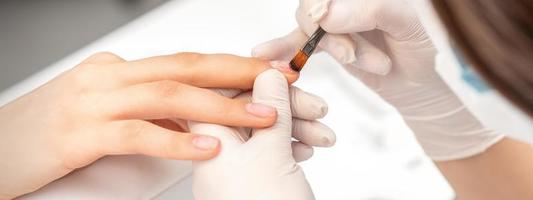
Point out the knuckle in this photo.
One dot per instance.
(167, 88)
(102, 56)
(187, 63)
(132, 129)
(187, 58)
(130, 133)
(84, 75)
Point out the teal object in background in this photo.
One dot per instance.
(471, 77)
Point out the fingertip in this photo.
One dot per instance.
(291, 77)
(205, 143)
(307, 106)
(386, 66)
(206, 147)
(301, 152)
(336, 22)
(328, 137)
(373, 63)
(284, 67)
(313, 133)
(269, 85)
(320, 106)
(265, 122)
(319, 10)
(264, 116)
(258, 51)
(341, 47)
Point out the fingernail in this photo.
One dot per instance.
(282, 66)
(205, 142)
(260, 110)
(326, 142)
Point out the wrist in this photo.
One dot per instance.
(426, 99)
(453, 135)
(442, 124)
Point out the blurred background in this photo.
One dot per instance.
(35, 34)
(375, 158)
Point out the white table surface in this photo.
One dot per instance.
(376, 156)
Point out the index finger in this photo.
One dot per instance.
(200, 70)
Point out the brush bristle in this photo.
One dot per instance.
(298, 62)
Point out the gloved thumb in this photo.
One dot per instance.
(271, 88)
(342, 41)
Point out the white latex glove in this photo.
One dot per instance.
(383, 43)
(260, 167)
(140, 177)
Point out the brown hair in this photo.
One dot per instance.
(496, 37)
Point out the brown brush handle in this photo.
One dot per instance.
(298, 62)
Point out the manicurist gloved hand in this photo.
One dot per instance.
(383, 43)
(259, 163)
(109, 106)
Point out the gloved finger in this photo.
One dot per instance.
(346, 49)
(142, 137)
(283, 48)
(301, 152)
(271, 89)
(339, 45)
(305, 105)
(392, 16)
(286, 47)
(313, 133)
(370, 58)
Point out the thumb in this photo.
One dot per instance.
(271, 88)
(342, 20)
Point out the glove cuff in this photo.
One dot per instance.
(453, 135)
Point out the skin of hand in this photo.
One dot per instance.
(257, 163)
(109, 106)
(502, 172)
(383, 44)
(94, 181)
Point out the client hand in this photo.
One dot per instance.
(109, 106)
